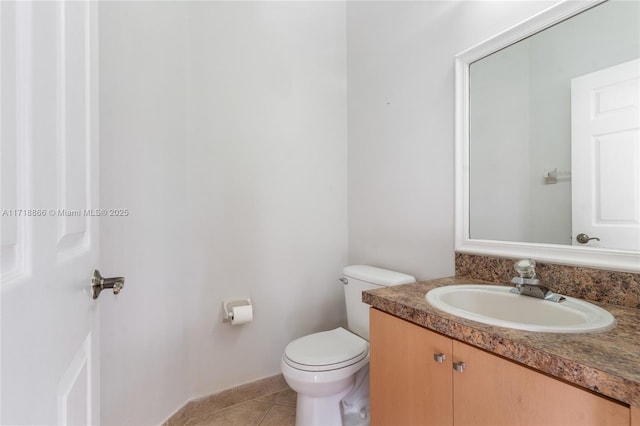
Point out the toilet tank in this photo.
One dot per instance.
(360, 278)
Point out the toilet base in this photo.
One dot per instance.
(355, 406)
(320, 394)
(320, 411)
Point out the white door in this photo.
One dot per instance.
(605, 157)
(49, 332)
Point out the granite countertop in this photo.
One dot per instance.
(606, 362)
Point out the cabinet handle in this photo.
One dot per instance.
(459, 366)
(439, 358)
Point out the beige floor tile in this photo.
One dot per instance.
(280, 415)
(227, 398)
(262, 387)
(204, 406)
(246, 414)
(284, 397)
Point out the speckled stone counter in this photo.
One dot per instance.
(617, 288)
(605, 362)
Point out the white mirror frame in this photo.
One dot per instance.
(619, 260)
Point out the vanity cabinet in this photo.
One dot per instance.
(418, 378)
(407, 386)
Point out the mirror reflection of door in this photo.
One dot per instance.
(605, 146)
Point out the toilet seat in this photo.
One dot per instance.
(325, 351)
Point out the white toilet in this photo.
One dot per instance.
(330, 370)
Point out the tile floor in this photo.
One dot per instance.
(277, 409)
(264, 402)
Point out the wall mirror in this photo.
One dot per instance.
(547, 138)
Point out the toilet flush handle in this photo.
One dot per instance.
(344, 281)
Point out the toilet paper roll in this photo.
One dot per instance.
(241, 314)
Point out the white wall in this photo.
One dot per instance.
(401, 125)
(266, 181)
(143, 168)
(228, 122)
(224, 132)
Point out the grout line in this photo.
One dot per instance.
(265, 414)
(285, 404)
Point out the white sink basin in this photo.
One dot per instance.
(495, 305)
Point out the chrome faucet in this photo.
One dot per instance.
(528, 285)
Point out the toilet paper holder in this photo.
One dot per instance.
(229, 304)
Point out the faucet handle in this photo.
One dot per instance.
(526, 268)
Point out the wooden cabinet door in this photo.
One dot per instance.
(493, 391)
(408, 387)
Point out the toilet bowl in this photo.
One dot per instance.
(329, 370)
(322, 368)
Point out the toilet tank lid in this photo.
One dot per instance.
(378, 276)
